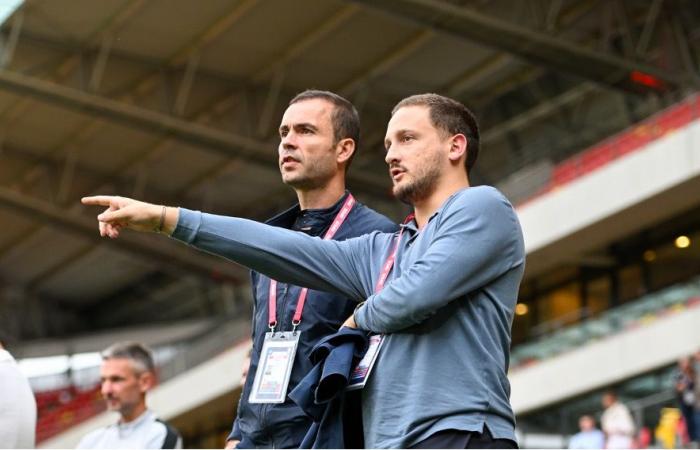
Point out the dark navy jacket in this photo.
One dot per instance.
(284, 425)
(337, 415)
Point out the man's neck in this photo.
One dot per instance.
(425, 208)
(134, 414)
(321, 198)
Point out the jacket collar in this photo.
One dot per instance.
(310, 221)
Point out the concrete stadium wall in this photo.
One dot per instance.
(94, 342)
(607, 361)
(564, 226)
(627, 195)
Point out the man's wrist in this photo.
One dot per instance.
(161, 221)
(170, 217)
(354, 313)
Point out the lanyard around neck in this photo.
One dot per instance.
(272, 297)
(389, 263)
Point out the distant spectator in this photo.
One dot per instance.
(617, 423)
(17, 405)
(670, 432)
(685, 394)
(127, 373)
(589, 436)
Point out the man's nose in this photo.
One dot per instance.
(288, 141)
(391, 156)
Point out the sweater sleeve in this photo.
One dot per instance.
(287, 256)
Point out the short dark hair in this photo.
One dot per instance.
(345, 118)
(134, 351)
(450, 116)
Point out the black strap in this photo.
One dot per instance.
(171, 435)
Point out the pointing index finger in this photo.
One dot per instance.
(99, 200)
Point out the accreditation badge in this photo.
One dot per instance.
(275, 367)
(360, 374)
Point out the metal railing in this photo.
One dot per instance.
(631, 139)
(227, 333)
(612, 321)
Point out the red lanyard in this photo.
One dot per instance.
(389, 263)
(272, 302)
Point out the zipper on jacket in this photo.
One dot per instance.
(283, 309)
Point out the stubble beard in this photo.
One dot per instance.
(312, 175)
(127, 409)
(114, 404)
(421, 186)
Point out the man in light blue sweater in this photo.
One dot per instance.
(451, 281)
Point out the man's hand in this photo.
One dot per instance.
(124, 212)
(350, 322)
(231, 443)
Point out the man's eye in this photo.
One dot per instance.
(407, 138)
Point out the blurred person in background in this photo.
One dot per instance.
(670, 432)
(17, 405)
(685, 394)
(589, 436)
(127, 373)
(616, 422)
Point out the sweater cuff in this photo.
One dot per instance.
(188, 224)
(360, 315)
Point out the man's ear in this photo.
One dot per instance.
(344, 149)
(146, 381)
(458, 147)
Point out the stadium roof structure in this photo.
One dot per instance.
(177, 102)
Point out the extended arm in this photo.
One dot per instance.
(288, 256)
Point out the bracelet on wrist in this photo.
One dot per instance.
(162, 220)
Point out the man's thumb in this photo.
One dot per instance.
(112, 216)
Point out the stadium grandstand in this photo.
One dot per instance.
(590, 125)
